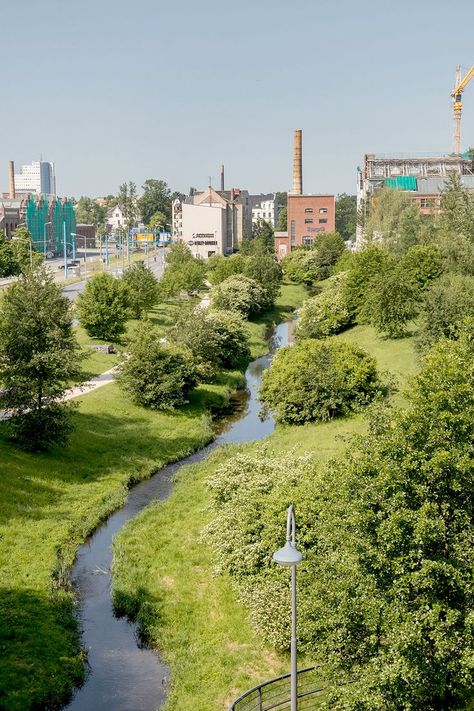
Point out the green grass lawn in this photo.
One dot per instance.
(167, 579)
(50, 502)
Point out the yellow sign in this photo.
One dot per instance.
(145, 237)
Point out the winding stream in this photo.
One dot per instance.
(124, 675)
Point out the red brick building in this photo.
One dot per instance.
(308, 217)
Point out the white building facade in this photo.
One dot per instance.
(266, 210)
(37, 177)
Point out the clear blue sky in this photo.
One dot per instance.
(129, 90)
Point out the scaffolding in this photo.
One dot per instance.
(48, 219)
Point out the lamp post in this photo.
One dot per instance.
(44, 235)
(74, 234)
(289, 555)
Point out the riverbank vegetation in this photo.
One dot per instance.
(51, 501)
(384, 502)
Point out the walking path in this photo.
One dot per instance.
(92, 384)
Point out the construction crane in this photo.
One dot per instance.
(457, 104)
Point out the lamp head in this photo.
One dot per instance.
(288, 555)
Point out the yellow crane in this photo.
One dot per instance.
(457, 104)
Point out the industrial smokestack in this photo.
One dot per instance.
(11, 174)
(222, 177)
(298, 164)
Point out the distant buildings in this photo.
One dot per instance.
(213, 222)
(422, 177)
(264, 207)
(37, 177)
(115, 220)
(308, 215)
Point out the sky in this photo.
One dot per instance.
(130, 90)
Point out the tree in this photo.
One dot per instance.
(88, 211)
(239, 293)
(394, 221)
(142, 289)
(391, 596)
(392, 302)
(215, 338)
(154, 374)
(282, 224)
(156, 198)
(318, 380)
(261, 242)
(127, 200)
(39, 356)
(457, 208)
(158, 222)
(220, 267)
(24, 254)
(324, 314)
(268, 273)
(422, 264)
(177, 254)
(103, 307)
(187, 276)
(346, 215)
(329, 248)
(8, 263)
(366, 267)
(447, 304)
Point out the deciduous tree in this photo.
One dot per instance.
(39, 355)
(104, 307)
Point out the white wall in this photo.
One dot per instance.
(205, 220)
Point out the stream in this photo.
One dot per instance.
(123, 674)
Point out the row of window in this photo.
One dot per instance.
(309, 221)
(309, 210)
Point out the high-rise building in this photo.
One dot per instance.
(37, 177)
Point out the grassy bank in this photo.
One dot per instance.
(191, 615)
(51, 502)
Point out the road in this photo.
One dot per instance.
(72, 291)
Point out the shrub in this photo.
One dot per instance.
(446, 305)
(157, 375)
(215, 338)
(142, 289)
(318, 380)
(308, 266)
(103, 307)
(239, 293)
(325, 314)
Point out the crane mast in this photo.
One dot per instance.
(457, 105)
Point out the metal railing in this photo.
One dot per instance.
(275, 693)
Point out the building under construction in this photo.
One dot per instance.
(50, 220)
(422, 177)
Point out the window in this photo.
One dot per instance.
(308, 210)
(293, 233)
(307, 241)
(308, 221)
(322, 222)
(323, 210)
(427, 202)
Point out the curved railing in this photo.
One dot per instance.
(275, 693)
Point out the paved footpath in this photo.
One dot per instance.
(92, 384)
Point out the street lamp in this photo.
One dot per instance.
(44, 236)
(289, 555)
(74, 234)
